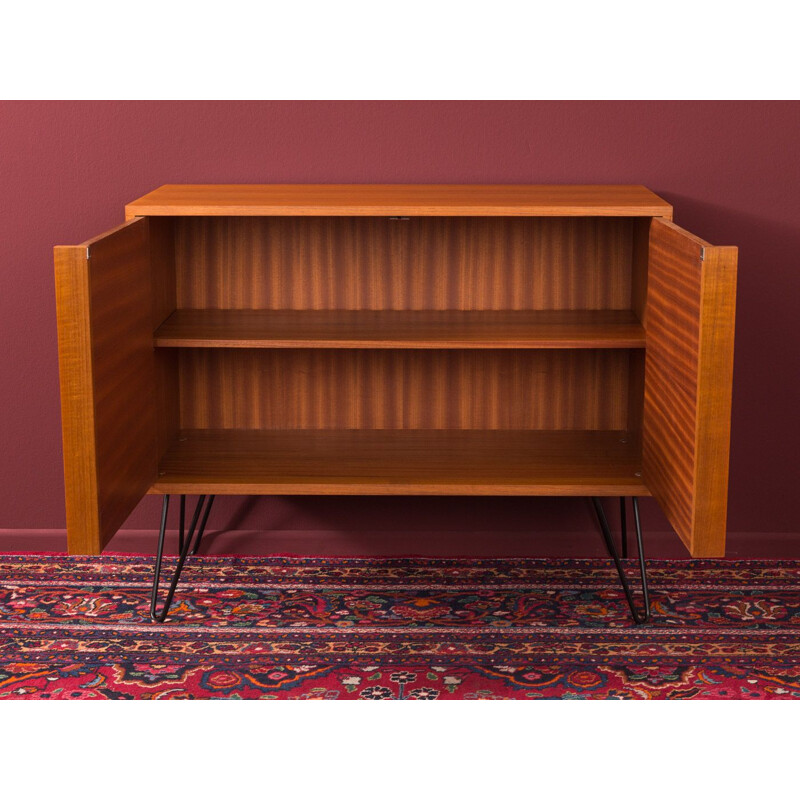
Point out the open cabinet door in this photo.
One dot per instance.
(691, 296)
(106, 362)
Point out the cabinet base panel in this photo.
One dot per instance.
(402, 462)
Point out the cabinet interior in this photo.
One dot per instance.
(427, 343)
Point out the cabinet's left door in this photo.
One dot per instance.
(104, 299)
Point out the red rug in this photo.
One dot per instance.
(390, 628)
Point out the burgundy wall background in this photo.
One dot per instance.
(731, 169)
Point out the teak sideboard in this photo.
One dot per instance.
(396, 340)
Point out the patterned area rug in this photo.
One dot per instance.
(389, 628)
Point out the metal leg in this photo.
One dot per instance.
(639, 617)
(185, 542)
(182, 521)
(623, 518)
(202, 528)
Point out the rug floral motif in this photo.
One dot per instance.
(396, 629)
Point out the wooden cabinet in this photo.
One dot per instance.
(492, 340)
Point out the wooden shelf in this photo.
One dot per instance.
(448, 200)
(412, 462)
(401, 329)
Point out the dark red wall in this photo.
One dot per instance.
(732, 171)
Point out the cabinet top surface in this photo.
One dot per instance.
(399, 200)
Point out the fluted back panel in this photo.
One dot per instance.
(399, 389)
(418, 263)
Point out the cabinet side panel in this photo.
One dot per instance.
(162, 263)
(689, 325)
(639, 262)
(380, 263)
(77, 399)
(162, 267)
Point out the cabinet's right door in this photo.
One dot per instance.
(689, 320)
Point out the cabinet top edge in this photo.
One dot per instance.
(399, 200)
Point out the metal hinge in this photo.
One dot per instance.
(88, 253)
(702, 254)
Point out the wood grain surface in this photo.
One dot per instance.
(688, 374)
(419, 462)
(404, 329)
(105, 319)
(404, 389)
(398, 200)
(418, 264)
(396, 339)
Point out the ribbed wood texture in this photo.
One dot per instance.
(404, 389)
(468, 263)
(670, 413)
(402, 462)
(105, 319)
(688, 374)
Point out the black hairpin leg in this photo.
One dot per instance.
(623, 521)
(639, 617)
(184, 546)
(182, 520)
(202, 529)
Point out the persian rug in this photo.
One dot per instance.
(396, 629)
